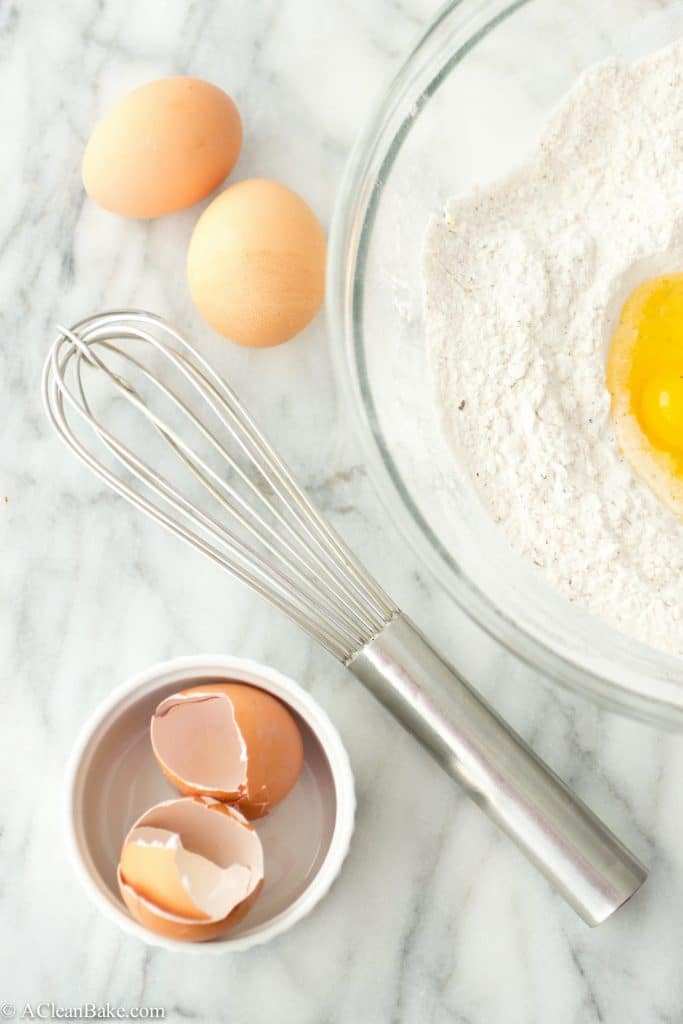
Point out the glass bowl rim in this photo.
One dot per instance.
(658, 698)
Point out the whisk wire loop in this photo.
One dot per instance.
(284, 548)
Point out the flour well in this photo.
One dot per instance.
(523, 283)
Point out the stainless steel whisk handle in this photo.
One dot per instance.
(579, 855)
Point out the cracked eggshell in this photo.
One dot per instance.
(231, 741)
(190, 869)
(112, 777)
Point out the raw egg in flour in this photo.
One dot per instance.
(230, 741)
(645, 381)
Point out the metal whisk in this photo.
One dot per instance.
(210, 476)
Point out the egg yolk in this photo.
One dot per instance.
(660, 411)
(652, 326)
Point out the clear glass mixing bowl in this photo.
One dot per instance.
(465, 108)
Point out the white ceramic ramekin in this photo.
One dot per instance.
(112, 778)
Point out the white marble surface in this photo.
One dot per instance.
(435, 917)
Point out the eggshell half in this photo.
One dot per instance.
(229, 740)
(190, 868)
(199, 746)
(164, 147)
(256, 263)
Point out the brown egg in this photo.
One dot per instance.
(164, 147)
(256, 263)
(190, 869)
(231, 741)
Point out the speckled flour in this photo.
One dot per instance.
(522, 284)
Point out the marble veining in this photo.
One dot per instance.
(435, 919)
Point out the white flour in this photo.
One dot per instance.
(522, 283)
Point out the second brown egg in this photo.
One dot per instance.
(256, 263)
